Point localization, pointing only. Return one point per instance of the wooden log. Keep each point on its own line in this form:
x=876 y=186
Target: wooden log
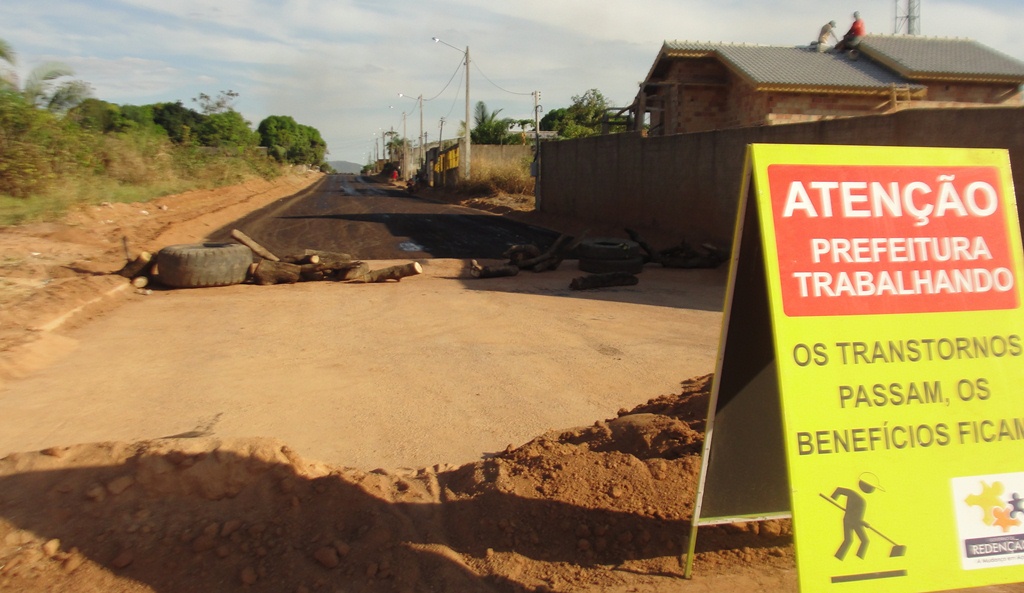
x=137 y=266
x=301 y=260
x=652 y=254
x=550 y=263
x=518 y=253
x=478 y=271
x=390 y=273
x=332 y=260
x=354 y=270
x=591 y=281
x=274 y=272
x=312 y=272
x=258 y=249
x=558 y=250
x=140 y=282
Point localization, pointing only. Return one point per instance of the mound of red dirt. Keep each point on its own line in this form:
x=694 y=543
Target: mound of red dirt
x=603 y=507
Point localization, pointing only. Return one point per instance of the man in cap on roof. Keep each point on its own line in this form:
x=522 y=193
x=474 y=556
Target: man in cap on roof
x=828 y=30
x=853 y=37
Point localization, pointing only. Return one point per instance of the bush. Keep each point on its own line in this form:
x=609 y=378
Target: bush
x=49 y=164
x=490 y=178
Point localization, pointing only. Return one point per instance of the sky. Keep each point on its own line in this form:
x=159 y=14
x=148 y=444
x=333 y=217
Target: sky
x=353 y=69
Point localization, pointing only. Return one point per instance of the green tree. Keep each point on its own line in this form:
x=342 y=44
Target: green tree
x=584 y=117
x=224 y=101
x=8 y=79
x=489 y=128
x=226 y=129
x=396 y=147
x=49 y=86
x=291 y=142
x=179 y=121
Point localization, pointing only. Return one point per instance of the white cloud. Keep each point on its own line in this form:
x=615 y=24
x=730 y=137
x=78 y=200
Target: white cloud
x=339 y=66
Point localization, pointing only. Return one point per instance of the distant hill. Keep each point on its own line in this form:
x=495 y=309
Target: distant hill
x=345 y=166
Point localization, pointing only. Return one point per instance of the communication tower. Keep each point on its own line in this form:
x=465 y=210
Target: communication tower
x=908 y=17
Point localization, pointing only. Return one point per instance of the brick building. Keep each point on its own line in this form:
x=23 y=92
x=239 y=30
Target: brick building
x=695 y=87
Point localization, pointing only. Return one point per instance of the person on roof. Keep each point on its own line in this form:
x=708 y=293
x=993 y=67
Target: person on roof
x=854 y=36
x=828 y=30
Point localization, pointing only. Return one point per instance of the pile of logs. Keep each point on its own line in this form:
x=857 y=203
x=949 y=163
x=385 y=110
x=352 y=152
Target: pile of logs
x=682 y=255
x=527 y=257
x=310 y=265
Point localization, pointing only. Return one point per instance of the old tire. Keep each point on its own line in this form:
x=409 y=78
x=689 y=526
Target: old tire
x=633 y=265
x=608 y=249
x=203 y=264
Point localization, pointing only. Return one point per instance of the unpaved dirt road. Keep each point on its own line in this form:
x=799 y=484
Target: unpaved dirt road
x=438 y=368
x=133 y=460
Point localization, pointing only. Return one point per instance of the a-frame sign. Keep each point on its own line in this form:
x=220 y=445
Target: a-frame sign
x=870 y=378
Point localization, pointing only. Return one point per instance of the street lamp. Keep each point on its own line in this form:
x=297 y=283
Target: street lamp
x=466 y=137
x=420 y=99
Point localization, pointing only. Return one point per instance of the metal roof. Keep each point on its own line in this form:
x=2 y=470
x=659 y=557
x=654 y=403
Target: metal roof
x=898 y=60
x=926 y=57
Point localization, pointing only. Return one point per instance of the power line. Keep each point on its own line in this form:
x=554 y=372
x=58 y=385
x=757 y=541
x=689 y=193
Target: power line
x=452 y=108
x=457 y=69
x=496 y=84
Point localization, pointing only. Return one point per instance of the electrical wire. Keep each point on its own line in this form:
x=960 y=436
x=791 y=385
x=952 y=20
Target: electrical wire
x=457 y=94
x=448 y=84
x=496 y=85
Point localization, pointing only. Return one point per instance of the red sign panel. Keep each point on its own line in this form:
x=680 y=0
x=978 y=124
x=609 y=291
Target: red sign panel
x=859 y=240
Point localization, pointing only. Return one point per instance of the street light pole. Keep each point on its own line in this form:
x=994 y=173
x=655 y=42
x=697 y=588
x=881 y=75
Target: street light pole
x=420 y=101
x=466 y=136
x=467 y=114
x=405 y=151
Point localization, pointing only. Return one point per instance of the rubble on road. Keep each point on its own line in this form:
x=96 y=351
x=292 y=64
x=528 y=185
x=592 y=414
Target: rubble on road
x=682 y=255
x=222 y=264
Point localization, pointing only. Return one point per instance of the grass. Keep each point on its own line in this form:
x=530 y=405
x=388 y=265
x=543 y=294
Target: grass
x=491 y=178
x=130 y=178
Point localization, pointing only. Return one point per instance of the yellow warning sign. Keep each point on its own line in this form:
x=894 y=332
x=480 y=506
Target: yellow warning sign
x=895 y=287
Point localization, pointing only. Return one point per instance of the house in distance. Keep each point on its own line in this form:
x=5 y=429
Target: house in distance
x=696 y=87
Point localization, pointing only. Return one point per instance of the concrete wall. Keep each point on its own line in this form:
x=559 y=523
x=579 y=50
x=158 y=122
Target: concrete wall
x=689 y=184
x=446 y=165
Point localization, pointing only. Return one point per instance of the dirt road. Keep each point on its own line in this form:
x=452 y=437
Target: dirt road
x=226 y=439
x=439 y=368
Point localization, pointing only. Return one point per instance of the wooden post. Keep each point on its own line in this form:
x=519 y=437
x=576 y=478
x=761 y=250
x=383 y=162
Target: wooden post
x=251 y=244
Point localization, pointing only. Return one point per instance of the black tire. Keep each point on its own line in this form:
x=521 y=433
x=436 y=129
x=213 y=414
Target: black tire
x=633 y=265
x=203 y=264
x=608 y=249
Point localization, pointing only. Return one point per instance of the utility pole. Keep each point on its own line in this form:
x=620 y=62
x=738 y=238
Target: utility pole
x=405 y=151
x=535 y=168
x=467 y=115
x=536 y=121
x=467 y=138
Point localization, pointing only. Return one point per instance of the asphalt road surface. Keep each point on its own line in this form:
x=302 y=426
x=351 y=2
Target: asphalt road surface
x=372 y=221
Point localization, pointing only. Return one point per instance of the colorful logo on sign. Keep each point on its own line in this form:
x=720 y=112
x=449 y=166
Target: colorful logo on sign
x=858 y=239
x=990 y=516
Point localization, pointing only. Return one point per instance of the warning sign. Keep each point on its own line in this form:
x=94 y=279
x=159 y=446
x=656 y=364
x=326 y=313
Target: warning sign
x=870 y=240
x=894 y=288
x=894 y=282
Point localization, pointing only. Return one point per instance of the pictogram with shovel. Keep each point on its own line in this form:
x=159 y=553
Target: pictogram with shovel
x=853 y=518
